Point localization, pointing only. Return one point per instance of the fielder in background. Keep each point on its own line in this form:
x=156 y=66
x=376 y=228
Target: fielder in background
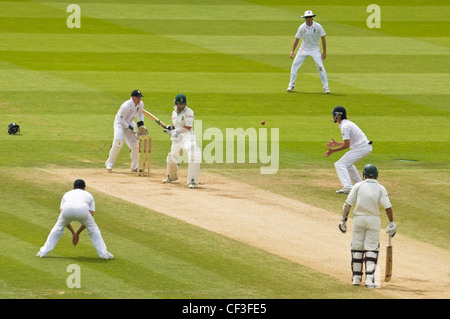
x=368 y=196
x=310 y=31
x=359 y=145
x=183 y=139
x=125 y=129
x=76 y=205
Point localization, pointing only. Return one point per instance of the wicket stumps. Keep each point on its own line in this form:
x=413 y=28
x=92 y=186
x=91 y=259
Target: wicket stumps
x=145 y=149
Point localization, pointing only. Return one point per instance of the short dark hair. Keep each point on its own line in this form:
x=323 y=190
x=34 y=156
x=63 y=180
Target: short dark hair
x=79 y=183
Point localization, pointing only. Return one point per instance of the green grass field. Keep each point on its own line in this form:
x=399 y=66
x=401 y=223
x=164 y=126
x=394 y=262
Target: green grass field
x=231 y=58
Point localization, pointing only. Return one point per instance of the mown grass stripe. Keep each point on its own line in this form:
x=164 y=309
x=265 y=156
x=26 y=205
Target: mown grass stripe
x=148 y=62
x=180 y=11
x=95 y=43
x=229 y=44
x=336 y=45
x=388 y=12
x=397 y=83
x=49 y=275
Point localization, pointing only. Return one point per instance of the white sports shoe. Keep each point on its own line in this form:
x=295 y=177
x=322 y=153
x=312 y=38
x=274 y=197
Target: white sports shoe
x=290 y=88
x=370 y=282
x=192 y=184
x=344 y=191
x=108 y=255
x=169 y=180
x=109 y=167
x=39 y=254
x=356 y=281
x=326 y=91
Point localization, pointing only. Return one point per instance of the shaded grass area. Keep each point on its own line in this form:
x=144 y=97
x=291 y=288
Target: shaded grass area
x=156 y=256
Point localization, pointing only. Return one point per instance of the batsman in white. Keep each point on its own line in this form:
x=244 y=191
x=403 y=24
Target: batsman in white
x=368 y=196
x=358 y=143
x=183 y=139
x=310 y=31
x=76 y=205
x=125 y=129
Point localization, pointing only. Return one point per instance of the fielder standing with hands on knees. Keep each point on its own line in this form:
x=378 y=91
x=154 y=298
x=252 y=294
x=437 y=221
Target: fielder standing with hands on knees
x=368 y=196
x=310 y=31
x=183 y=139
x=76 y=205
x=125 y=129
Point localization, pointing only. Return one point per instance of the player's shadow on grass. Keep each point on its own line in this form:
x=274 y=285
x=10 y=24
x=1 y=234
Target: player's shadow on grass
x=81 y=259
x=316 y=93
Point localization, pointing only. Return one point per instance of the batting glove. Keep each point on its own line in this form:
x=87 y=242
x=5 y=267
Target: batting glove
x=168 y=129
x=343 y=227
x=391 y=229
x=174 y=133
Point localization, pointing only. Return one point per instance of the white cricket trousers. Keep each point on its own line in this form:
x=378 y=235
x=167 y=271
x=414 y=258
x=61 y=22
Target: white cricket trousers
x=345 y=167
x=366 y=233
x=186 y=143
x=79 y=213
x=365 y=245
x=132 y=142
x=300 y=58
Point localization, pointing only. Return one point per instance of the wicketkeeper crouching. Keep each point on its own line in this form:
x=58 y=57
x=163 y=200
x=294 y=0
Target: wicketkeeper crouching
x=125 y=129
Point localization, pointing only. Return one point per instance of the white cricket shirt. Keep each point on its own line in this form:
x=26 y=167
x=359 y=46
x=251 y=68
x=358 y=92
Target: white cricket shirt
x=350 y=131
x=128 y=112
x=80 y=198
x=368 y=196
x=184 y=118
x=310 y=36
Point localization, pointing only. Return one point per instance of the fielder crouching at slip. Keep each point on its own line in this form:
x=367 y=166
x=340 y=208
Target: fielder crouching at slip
x=368 y=196
x=183 y=139
x=76 y=205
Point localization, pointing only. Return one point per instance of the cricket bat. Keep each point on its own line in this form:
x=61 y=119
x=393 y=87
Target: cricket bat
x=388 y=273
x=154 y=118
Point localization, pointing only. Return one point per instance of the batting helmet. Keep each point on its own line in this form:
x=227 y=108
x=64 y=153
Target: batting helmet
x=340 y=110
x=370 y=170
x=13 y=128
x=181 y=98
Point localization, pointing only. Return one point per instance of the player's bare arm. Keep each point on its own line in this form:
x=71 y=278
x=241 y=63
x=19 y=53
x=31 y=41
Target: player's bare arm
x=324 y=48
x=294 y=46
x=342 y=146
x=74 y=235
x=333 y=143
x=82 y=227
x=69 y=227
x=390 y=214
